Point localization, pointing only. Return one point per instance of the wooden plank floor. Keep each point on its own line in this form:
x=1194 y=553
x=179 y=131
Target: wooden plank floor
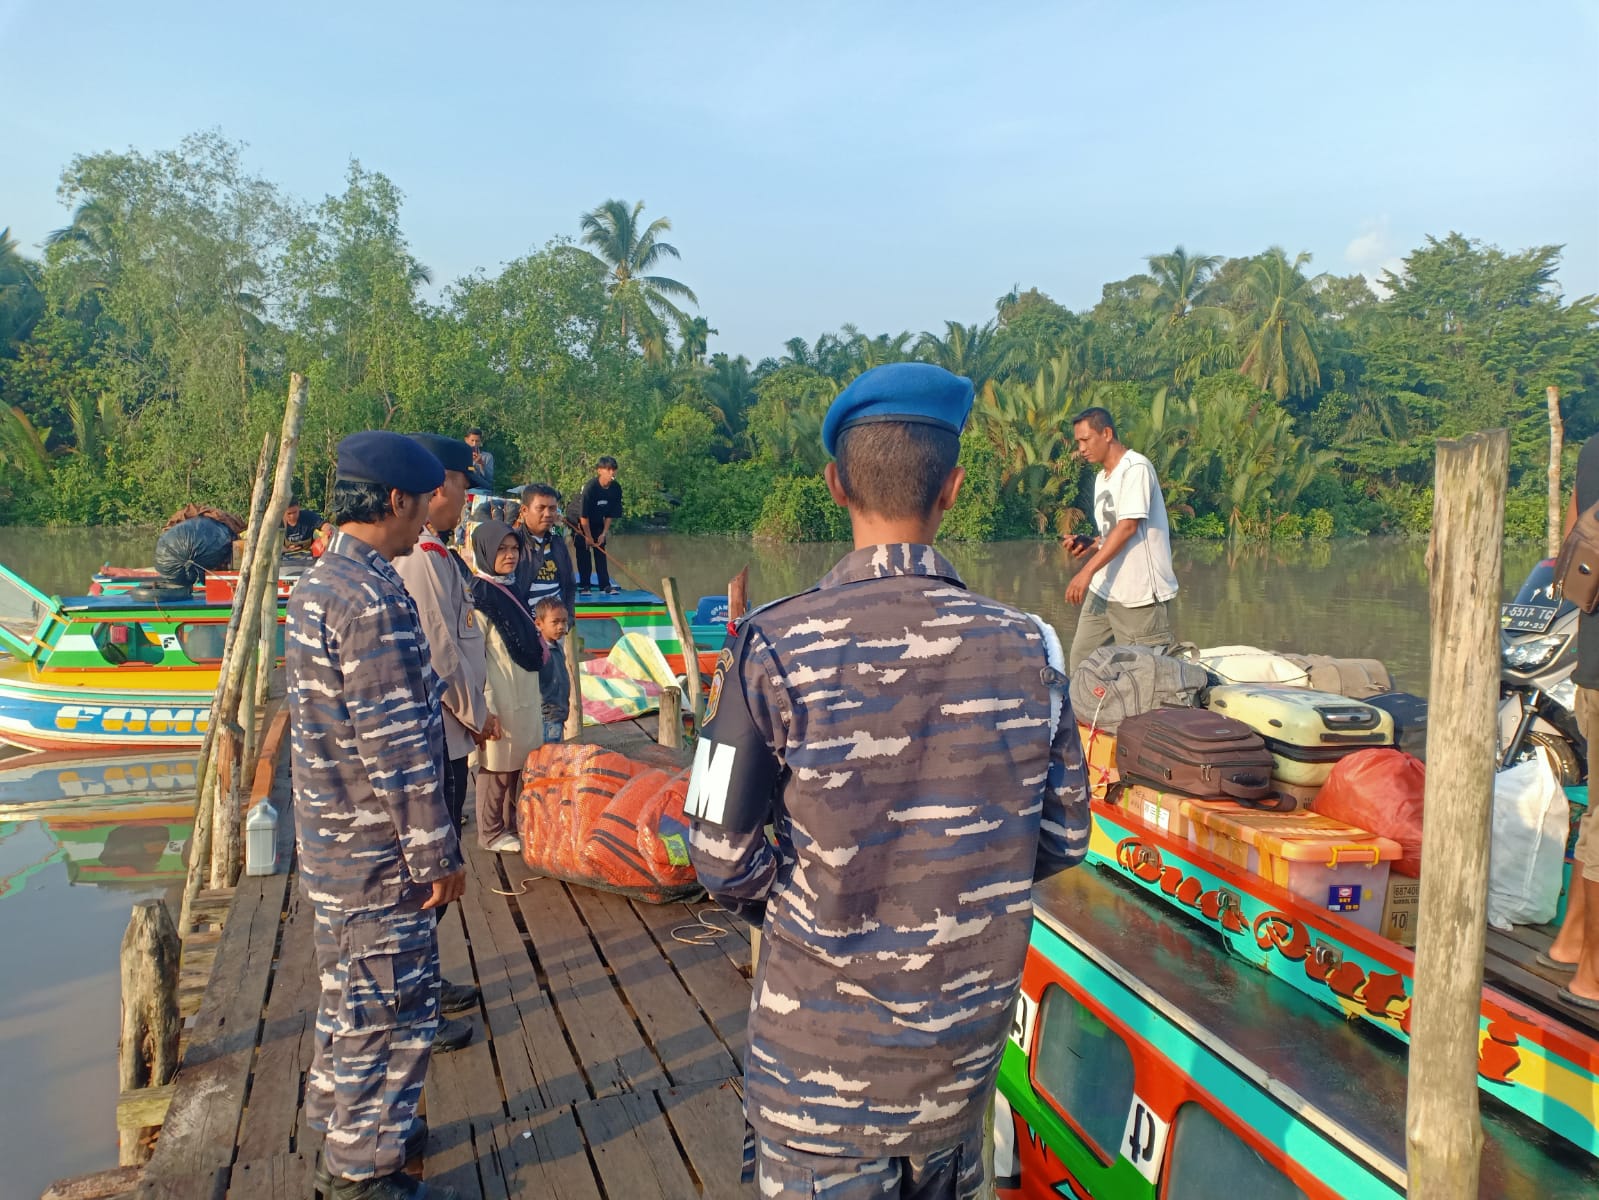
x=605 y=1061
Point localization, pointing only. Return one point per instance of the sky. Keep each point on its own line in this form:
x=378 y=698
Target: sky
x=894 y=165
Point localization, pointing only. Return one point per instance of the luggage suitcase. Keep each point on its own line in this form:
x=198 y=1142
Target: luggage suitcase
x=1356 y=678
x=1306 y=731
x=1251 y=664
x=1198 y=753
x=1410 y=720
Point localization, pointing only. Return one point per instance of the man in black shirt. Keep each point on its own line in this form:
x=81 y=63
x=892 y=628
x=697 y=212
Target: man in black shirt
x=1576 y=949
x=599 y=505
x=300 y=528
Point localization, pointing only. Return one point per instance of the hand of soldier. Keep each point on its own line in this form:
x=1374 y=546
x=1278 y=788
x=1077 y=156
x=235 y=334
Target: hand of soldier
x=452 y=887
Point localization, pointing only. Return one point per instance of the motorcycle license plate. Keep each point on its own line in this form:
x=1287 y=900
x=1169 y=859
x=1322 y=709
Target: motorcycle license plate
x=1527 y=618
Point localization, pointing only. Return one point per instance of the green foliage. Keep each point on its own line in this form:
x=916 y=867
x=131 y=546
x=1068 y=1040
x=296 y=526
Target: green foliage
x=799 y=508
x=144 y=357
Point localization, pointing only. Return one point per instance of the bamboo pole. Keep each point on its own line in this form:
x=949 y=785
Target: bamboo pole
x=669 y=727
x=261 y=612
x=147 y=1056
x=1442 y=1129
x=199 y=868
x=267 y=656
x=691 y=658
x=1557 y=435
x=573 y=732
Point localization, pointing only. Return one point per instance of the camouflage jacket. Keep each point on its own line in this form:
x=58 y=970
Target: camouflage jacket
x=895 y=730
x=367 y=731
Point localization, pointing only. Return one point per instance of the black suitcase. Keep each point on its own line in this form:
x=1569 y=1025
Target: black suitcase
x=1410 y=720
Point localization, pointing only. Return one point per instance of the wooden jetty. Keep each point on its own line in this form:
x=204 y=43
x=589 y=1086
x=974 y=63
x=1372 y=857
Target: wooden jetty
x=606 y=1058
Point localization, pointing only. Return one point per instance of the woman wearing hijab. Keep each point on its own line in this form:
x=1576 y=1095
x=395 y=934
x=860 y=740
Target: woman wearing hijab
x=515 y=655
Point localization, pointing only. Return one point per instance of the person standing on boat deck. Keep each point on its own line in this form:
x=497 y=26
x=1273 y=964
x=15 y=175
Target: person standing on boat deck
x=302 y=527
x=599 y=504
x=1576 y=947
x=1127 y=583
x=481 y=473
x=913 y=747
x=546 y=566
x=377 y=849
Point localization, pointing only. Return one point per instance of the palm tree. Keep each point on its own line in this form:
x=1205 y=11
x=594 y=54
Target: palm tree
x=625 y=253
x=730 y=388
x=694 y=336
x=90 y=250
x=978 y=352
x=21 y=304
x=1278 y=345
x=1176 y=290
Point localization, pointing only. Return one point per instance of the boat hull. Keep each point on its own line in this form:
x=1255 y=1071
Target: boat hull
x=44 y=714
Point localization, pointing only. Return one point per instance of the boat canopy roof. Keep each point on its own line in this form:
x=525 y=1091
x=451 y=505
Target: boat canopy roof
x=1338 y=1075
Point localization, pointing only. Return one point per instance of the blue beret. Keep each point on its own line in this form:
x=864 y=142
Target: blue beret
x=917 y=393
x=392 y=459
x=455 y=454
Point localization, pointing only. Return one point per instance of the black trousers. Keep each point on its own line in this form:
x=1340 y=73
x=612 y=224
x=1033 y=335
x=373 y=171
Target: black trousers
x=455 y=779
x=585 y=555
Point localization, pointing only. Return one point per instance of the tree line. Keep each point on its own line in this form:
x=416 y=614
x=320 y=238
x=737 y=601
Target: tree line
x=145 y=352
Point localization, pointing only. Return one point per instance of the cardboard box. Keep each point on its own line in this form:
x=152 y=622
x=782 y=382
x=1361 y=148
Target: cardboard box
x=1399 y=911
x=1099 y=757
x=1162 y=810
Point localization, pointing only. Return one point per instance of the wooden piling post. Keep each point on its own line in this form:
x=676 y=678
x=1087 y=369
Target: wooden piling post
x=147 y=1056
x=573 y=732
x=1442 y=1129
x=738 y=594
x=669 y=731
x=691 y=658
x=1557 y=436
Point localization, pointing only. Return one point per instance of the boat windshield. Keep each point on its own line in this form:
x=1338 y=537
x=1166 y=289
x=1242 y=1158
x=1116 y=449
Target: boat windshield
x=23 y=609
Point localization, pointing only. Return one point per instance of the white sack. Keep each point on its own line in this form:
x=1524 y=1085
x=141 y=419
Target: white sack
x=1527 y=845
x=1251 y=664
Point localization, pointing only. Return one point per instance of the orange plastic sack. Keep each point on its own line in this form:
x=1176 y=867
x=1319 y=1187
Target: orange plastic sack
x=595 y=817
x=1379 y=791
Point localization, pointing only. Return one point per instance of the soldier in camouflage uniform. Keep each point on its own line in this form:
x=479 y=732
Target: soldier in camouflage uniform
x=911 y=745
x=376 y=846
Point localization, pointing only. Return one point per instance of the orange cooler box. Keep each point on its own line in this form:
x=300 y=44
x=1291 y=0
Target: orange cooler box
x=1099 y=757
x=1326 y=863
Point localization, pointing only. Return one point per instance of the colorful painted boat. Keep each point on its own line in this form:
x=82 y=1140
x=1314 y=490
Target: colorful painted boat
x=1146 y=1061
x=109 y=671
x=1542 y=1065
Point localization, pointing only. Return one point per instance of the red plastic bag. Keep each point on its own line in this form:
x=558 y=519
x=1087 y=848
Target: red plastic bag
x=1379 y=791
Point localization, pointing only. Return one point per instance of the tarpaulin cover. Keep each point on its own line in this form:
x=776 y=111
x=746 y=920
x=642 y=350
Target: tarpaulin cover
x=184 y=553
x=1379 y=791
x=591 y=816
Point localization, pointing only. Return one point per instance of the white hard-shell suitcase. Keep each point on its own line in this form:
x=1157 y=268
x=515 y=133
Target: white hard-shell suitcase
x=1251 y=664
x=1307 y=732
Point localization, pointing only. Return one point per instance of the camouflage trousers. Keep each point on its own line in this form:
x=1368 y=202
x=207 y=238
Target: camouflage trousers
x=783 y=1173
x=374 y=1032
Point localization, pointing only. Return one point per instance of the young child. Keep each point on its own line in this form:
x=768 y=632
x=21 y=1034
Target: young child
x=555 y=683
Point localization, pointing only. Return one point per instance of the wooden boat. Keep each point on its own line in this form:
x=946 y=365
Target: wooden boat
x=1145 y=1060
x=1543 y=1065
x=111 y=671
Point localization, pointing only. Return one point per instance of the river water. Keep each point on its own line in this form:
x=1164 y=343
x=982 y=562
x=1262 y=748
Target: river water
x=69 y=875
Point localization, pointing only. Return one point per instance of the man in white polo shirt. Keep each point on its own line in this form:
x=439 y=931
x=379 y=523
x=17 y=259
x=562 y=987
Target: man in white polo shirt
x=1127 y=579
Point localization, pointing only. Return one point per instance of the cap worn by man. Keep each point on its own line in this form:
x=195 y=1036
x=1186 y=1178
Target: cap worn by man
x=453 y=453
x=917 y=393
x=390 y=459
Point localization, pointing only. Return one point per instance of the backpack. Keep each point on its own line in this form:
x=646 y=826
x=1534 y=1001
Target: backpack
x=1117 y=682
x=1577 y=568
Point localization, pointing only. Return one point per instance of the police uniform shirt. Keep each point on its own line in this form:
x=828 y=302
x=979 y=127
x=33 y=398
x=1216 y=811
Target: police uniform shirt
x=916 y=756
x=367 y=734
x=459 y=655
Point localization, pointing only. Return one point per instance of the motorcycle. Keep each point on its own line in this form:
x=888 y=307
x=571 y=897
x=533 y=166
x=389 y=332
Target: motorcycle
x=1537 y=698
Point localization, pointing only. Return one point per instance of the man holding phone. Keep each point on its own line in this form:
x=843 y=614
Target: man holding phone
x=1125 y=582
